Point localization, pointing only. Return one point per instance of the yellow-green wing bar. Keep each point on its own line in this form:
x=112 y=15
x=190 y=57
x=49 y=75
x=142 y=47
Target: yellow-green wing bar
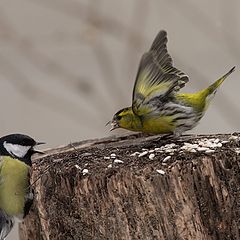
x=156 y=77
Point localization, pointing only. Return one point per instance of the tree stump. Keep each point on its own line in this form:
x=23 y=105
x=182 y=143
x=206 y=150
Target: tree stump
x=137 y=187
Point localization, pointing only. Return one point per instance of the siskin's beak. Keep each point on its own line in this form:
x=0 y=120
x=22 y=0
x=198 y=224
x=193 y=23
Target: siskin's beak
x=108 y=123
x=113 y=123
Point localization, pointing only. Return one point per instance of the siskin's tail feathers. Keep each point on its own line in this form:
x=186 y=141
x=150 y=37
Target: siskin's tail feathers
x=200 y=100
x=212 y=88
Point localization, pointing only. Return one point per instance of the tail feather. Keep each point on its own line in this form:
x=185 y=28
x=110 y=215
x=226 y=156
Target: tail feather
x=200 y=100
x=212 y=88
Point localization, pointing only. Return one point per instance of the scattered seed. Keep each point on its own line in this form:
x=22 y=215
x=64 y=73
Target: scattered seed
x=166 y=158
x=135 y=154
x=85 y=171
x=210 y=151
x=195 y=145
x=118 y=161
x=193 y=150
x=143 y=154
x=86 y=154
x=219 y=145
x=57 y=160
x=202 y=149
x=151 y=156
x=160 y=172
x=77 y=166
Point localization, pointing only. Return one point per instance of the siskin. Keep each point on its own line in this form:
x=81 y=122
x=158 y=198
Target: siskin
x=157 y=106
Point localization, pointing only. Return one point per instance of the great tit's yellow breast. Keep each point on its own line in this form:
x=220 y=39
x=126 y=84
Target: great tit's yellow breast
x=14 y=183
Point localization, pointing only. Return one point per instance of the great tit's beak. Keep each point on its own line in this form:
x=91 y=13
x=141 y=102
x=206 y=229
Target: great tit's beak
x=38 y=151
x=114 y=124
x=40 y=143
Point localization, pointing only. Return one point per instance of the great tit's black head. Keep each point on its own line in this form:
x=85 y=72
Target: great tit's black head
x=18 y=146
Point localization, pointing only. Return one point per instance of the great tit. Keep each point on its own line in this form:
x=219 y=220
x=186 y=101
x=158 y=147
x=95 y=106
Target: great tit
x=16 y=194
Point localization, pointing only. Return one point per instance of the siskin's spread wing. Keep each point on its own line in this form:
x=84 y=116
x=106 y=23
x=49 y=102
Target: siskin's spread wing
x=156 y=78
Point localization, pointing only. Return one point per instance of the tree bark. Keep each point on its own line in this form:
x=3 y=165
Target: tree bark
x=163 y=193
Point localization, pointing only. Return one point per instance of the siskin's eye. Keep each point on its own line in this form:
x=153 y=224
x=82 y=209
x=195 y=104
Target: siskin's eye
x=118 y=117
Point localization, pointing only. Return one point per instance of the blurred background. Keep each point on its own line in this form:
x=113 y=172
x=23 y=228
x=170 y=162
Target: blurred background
x=66 y=66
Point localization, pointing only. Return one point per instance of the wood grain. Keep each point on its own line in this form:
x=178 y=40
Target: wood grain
x=198 y=196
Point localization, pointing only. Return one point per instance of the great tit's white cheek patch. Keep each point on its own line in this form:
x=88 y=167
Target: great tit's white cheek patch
x=16 y=149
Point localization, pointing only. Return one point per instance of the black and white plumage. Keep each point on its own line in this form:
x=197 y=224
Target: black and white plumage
x=6 y=224
x=16 y=194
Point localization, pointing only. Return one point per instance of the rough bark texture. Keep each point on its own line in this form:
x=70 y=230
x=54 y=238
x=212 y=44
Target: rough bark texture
x=196 y=195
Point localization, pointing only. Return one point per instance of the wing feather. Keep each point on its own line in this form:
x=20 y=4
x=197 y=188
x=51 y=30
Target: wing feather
x=156 y=77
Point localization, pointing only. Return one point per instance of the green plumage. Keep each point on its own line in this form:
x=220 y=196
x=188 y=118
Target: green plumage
x=14 y=185
x=157 y=107
x=200 y=100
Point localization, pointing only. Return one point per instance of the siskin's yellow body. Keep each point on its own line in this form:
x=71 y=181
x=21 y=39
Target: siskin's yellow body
x=158 y=122
x=157 y=106
x=148 y=123
x=14 y=184
x=158 y=125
